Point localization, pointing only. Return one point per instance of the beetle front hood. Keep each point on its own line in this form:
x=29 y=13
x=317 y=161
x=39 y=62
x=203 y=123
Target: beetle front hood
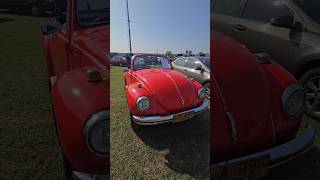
x=245 y=92
x=171 y=90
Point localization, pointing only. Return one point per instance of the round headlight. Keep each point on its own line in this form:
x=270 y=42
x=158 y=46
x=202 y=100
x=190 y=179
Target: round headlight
x=97 y=134
x=202 y=93
x=143 y=103
x=293 y=100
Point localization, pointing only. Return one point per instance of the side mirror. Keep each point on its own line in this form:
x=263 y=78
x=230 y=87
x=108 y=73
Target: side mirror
x=50 y=27
x=199 y=68
x=283 y=21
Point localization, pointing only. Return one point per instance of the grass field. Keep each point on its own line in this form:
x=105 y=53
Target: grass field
x=28 y=142
x=179 y=151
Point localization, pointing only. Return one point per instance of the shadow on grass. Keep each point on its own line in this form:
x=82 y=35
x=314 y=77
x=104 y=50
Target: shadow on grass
x=187 y=142
x=3 y=20
x=304 y=167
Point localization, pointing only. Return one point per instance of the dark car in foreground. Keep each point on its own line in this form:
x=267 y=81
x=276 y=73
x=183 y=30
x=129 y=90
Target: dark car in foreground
x=197 y=68
x=287 y=30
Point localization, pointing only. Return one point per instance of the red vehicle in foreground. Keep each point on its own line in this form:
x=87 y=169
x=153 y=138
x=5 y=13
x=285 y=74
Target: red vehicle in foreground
x=158 y=94
x=257 y=111
x=78 y=69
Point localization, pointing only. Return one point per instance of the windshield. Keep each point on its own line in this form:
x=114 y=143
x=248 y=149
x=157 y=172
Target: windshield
x=205 y=61
x=310 y=7
x=93 y=12
x=151 y=62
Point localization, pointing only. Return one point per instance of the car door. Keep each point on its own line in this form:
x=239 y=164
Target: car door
x=179 y=65
x=191 y=71
x=259 y=35
x=60 y=40
x=226 y=14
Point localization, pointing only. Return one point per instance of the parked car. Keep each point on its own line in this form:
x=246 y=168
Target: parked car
x=197 y=68
x=118 y=61
x=33 y=7
x=288 y=30
x=158 y=94
x=258 y=110
x=78 y=75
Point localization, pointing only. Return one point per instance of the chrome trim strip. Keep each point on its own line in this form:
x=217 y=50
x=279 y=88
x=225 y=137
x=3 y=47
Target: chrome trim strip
x=153 y=120
x=284 y=152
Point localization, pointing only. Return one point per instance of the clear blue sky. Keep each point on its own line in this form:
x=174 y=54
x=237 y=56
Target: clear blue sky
x=175 y=25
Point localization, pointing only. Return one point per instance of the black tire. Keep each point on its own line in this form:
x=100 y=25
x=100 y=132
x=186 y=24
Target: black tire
x=134 y=125
x=310 y=80
x=66 y=166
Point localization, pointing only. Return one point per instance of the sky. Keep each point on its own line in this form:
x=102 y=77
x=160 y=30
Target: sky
x=161 y=25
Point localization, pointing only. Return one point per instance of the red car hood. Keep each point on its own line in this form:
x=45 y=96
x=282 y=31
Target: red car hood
x=95 y=41
x=172 y=90
x=244 y=91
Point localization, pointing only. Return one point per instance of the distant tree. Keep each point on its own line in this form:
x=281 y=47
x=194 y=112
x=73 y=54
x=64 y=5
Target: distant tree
x=202 y=54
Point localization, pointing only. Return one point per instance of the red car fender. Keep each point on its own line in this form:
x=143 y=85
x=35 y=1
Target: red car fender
x=47 y=54
x=279 y=79
x=75 y=100
x=133 y=93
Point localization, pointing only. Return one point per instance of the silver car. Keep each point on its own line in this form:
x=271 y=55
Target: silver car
x=197 y=68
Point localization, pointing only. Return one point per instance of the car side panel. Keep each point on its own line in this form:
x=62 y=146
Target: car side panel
x=75 y=100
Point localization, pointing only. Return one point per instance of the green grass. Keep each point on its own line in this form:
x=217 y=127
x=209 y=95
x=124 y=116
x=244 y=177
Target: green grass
x=28 y=142
x=179 y=151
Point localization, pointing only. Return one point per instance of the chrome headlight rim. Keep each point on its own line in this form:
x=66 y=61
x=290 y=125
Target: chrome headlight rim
x=202 y=93
x=288 y=92
x=140 y=99
x=94 y=120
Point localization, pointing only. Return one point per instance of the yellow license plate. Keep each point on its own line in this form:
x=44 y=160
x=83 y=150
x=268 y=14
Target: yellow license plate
x=182 y=117
x=249 y=169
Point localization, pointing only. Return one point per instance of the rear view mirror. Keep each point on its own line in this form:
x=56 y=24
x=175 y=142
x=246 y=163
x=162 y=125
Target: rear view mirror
x=50 y=27
x=283 y=21
x=199 y=68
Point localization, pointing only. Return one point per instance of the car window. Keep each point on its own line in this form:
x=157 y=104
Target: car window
x=93 y=12
x=151 y=62
x=310 y=7
x=264 y=10
x=180 y=62
x=228 y=7
x=205 y=61
x=61 y=11
x=191 y=63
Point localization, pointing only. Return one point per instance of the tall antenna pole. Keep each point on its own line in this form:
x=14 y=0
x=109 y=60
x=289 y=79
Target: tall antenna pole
x=129 y=30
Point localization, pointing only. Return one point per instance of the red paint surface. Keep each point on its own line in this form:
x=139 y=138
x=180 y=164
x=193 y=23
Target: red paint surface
x=68 y=55
x=252 y=93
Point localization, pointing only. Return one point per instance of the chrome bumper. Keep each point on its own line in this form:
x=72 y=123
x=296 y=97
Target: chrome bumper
x=85 y=176
x=282 y=153
x=153 y=120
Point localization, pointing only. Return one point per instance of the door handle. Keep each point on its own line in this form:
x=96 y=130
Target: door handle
x=240 y=27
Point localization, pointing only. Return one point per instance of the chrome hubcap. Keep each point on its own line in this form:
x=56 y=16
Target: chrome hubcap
x=312 y=88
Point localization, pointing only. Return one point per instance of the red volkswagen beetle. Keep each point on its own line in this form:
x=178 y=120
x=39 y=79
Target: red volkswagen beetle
x=257 y=111
x=76 y=44
x=158 y=94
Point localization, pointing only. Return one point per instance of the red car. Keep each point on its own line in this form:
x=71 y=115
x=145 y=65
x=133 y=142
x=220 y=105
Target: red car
x=158 y=94
x=257 y=111
x=78 y=72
